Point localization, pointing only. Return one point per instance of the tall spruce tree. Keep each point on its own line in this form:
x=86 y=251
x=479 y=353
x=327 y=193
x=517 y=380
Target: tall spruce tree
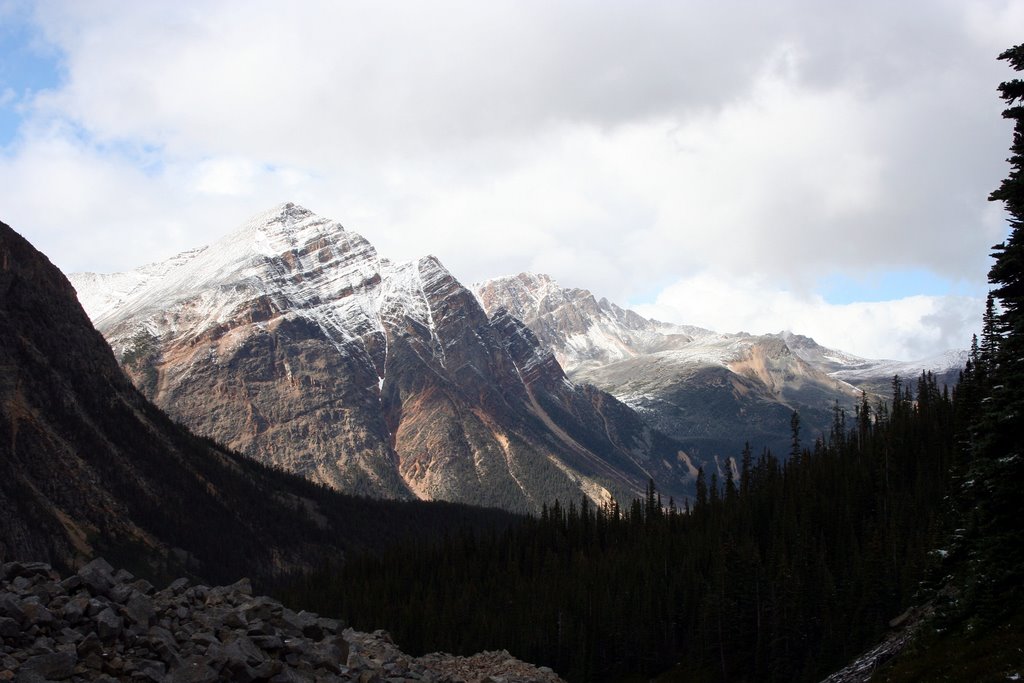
x=997 y=466
x=1007 y=272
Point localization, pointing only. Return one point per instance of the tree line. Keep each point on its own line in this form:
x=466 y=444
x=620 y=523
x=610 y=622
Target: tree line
x=781 y=571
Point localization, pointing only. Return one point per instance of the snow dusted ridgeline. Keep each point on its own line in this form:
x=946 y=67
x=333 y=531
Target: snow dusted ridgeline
x=875 y=375
x=581 y=330
x=297 y=260
x=291 y=340
x=711 y=391
x=587 y=333
x=232 y=337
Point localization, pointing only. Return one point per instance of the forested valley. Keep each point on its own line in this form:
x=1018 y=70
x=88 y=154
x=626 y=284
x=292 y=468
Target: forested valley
x=781 y=573
x=784 y=572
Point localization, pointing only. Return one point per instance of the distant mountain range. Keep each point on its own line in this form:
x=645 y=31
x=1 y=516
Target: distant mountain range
x=294 y=342
x=714 y=392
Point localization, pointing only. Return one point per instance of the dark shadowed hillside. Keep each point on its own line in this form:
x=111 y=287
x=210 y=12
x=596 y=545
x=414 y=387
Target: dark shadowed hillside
x=88 y=466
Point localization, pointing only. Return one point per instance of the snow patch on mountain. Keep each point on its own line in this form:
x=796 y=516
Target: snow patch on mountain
x=948 y=361
x=303 y=264
x=587 y=334
x=293 y=341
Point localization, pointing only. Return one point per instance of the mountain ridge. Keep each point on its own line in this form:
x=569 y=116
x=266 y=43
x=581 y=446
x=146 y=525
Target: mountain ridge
x=293 y=341
x=710 y=390
x=88 y=466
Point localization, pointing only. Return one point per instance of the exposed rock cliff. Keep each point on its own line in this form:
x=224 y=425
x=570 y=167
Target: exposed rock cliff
x=292 y=341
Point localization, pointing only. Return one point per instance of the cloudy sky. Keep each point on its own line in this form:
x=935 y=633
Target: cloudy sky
x=756 y=166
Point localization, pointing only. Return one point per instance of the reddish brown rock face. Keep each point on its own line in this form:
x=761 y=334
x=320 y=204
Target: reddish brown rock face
x=87 y=465
x=292 y=341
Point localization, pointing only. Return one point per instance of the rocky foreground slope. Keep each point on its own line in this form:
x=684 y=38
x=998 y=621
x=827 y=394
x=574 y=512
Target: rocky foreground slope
x=291 y=340
x=104 y=625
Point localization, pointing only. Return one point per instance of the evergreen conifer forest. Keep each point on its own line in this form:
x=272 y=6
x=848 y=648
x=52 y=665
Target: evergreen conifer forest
x=785 y=572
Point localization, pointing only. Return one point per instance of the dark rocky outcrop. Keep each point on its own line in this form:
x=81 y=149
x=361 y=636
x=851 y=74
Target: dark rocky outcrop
x=104 y=625
x=87 y=464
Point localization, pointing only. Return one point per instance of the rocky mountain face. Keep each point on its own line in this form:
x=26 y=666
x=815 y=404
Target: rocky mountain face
x=98 y=624
x=582 y=331
x=85 y=462
x=713 y=392
x=294 y=342
x=873 y=375
x=89 y=466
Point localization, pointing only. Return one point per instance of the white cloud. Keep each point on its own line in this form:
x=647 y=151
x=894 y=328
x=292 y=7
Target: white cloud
x=226 y=176
x=903 y=329
x=619 y=146
x=995 y=23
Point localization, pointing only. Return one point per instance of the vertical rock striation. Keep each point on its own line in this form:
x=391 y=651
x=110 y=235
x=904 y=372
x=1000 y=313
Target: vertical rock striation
x=294 y=342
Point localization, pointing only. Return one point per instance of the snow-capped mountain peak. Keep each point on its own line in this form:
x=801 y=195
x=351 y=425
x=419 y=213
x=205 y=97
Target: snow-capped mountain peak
x=712 y=390
x=292 y=340
x=291 y=256
x=580 y=329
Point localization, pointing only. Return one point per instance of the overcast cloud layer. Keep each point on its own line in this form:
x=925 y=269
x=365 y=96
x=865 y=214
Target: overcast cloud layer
x=711 y=163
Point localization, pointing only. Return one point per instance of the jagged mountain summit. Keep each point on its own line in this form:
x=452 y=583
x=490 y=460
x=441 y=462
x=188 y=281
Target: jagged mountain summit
x=582 y=331
x=294 y=342
x=88 y=466
x=712 y=391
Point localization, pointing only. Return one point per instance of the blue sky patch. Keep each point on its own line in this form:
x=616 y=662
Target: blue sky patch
x=27 y=65
x=893 y=284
